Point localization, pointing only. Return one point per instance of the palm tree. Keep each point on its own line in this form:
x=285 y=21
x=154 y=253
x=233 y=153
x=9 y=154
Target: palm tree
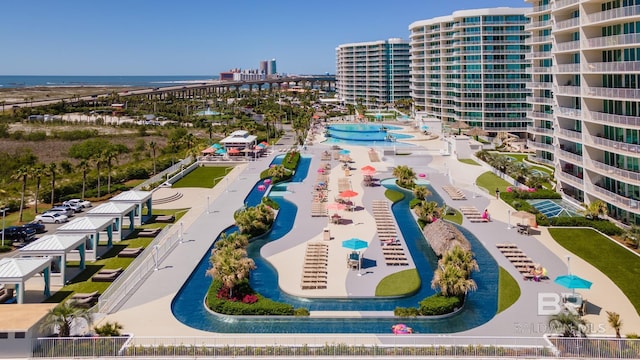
x=595 y=209
x=428 y=211
x=231 y=265
x=21 y=174
x=405 y=176
x=421 y=192
x=63 y=316
x=52 y=169
x=460 y=258
x=613 y=318
x=452 y=281
x=568 y=324
x=37 y=172
x=83 y=166
x=152 y=147
x=99 y=159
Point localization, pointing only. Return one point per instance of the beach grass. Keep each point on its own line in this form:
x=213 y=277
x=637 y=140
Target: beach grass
x=616 y=262
x=405 y=282
x=203 y=177
x=508 y=290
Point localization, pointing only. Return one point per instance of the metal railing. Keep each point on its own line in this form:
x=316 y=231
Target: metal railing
x=141 y=267
x=161 y=176
x=337 y=345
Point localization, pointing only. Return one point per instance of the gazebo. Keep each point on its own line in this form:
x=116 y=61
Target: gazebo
x=140 y=199
x=16 y=271
x=239 y=139
x=93 y=227
x=117 y=210
x=56 y=247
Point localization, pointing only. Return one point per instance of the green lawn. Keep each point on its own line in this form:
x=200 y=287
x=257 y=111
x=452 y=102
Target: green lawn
x=455 y=218
x=469 y=161
x=405 y=282
x=203 y=176
x=508 y=290
x=616 y=262
x=393 y=196
x=490 y=182
x=110 y=260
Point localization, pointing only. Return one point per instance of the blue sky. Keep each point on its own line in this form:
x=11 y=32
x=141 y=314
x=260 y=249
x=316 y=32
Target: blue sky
x=200 y=37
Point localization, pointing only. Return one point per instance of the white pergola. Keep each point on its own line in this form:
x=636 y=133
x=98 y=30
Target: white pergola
x=93 y=227
x=57 y=246
x=140 y=199
x=16 y=271
x=239 y=139
x=117 y=210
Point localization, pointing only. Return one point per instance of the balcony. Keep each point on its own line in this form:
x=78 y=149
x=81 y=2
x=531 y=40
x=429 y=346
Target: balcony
x=541 y=70
x=540 y=100
x=608 y=67
x=566 y=24
x=573 y=180
x=568 y=156
x=539 y=131
x=567 y=90
x=540 y=8
x=568 y=112
x=540 y=160
x=567 y=68
x=537 y=24
x=610 y=93
x=536 y=55
x=538 y=40
x=570 y=134
x=613 y=198
x=613 y=146
x=613 y=14
x=610 y=119
x=608 y=170
x=539 y=115
x=610 y=41
x=539 y=85
x=540 y=146
x=567 y=46
x=559 y=4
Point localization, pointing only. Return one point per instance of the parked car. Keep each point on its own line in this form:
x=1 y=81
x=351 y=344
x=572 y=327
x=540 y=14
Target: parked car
x=74 y=208
x=62 y=210
x=78 y=202
x=40 y=228
x=18 y=233
x=51 y=218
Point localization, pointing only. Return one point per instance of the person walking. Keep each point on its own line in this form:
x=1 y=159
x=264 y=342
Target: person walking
x=497 y=193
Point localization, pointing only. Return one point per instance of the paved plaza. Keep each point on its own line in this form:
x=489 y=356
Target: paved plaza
x=147 y=312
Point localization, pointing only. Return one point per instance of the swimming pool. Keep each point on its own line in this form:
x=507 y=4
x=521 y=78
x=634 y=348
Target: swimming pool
x=365 y=135
x=481 y=305
x=555 y=208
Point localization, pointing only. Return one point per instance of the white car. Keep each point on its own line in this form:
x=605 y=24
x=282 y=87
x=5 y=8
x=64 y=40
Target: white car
x=62 y=210
x=78 y=202
x=51 y=218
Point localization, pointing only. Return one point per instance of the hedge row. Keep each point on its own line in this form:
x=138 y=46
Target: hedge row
x=604 y=226
x=436 y=304
x=263 y=306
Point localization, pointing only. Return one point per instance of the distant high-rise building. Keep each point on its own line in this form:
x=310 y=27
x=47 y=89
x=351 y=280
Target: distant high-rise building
x=374 y=73
x=271 y=69
x=473 y=66
x=264 y=67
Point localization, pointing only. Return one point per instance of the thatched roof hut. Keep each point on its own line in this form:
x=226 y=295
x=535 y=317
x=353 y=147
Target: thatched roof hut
x=442 y=237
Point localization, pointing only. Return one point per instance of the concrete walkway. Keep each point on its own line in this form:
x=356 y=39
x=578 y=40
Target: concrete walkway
x=148 y=311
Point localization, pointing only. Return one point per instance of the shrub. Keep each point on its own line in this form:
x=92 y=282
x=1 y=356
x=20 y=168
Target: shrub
x=108 y=329
x=291 y=160
x=5 y=248
x=262 y=306
x=439 y=305
x=603 y=226
x=406 y=312
x=301 y=312
x=135 y=173
x=414 y=202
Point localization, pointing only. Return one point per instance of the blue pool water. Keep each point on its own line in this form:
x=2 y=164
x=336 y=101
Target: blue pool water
x=365 y=135
x=481 y=306
x=554 y=208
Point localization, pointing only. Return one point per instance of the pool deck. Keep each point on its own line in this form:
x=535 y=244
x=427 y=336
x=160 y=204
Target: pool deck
x=148 y=310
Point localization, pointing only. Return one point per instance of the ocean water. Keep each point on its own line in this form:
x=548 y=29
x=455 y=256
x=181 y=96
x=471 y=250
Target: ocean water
x=20 y=81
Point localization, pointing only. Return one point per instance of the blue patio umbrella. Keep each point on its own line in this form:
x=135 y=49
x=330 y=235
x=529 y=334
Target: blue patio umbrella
x=573 y=282
x=344 y=152
x=221 y=151
x=355 y=244
x=216 y=146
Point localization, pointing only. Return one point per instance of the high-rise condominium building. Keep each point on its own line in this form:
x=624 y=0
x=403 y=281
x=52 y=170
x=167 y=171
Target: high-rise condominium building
x=473 y=66
x=373 y=73
x=590 y=128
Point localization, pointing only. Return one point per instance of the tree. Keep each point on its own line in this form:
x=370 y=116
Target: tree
x=37 y=172
x=99 y=159
x=63 y=316
x=152 y=147
x=109 y=155
x=452 y=281
x=52 y=169
x=569 y=325
x=421 y=192
x=460 y=258
x=404 y=175
x=21 y=174
x=595 y=209
x=83 y=166
x=231 y=265
x=613 y=318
